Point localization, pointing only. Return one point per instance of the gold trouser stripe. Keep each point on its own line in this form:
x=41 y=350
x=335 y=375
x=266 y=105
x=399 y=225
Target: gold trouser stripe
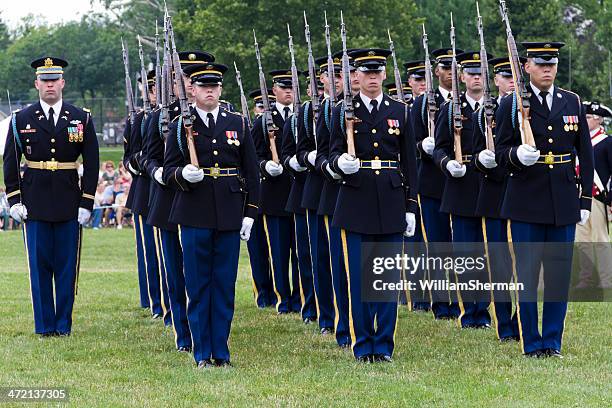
x=161 y=247
x=144 y=256
x=348 y=280
x=331 y=270
x=459 y=298
x=424 y=232
x=159 y=269
x=314 y=290
x=515 y=274
x=486 y=248
x=403 y=274
x=78 y=260
x=27 y=251
x=297 y=252
x=278 y=296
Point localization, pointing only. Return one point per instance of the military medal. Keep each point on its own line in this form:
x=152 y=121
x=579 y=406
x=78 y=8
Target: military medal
x=393 y=126
x=566 y=127
x=232 y=137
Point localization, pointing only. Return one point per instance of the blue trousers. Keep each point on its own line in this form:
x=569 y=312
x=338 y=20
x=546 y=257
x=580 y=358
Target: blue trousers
x=53 y=252
x=278 y=233
x=495 y=231
x=417 y=299
x=309 y=307
x=165 y=301
x=172 y=259
x=339 y=283
x=210 y=260
x=372 y=324
x=143 y=289
x=469 y=229
x=149 y=250
x=296 y=291
x=437 y=229
x=319 y=252
x=557 y=273
x=261 y=272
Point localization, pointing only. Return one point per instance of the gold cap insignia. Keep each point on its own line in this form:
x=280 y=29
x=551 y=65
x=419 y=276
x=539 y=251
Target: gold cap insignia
x=336 y=60
x=191 y=57
x=547 y=45
x=476 y=56
x=48 y=62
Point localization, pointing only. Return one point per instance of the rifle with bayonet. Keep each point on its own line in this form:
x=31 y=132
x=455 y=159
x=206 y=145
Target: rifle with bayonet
x=164 y=103
x=295 y=84
x=158 y=69
x=520 y=82
x=349 y=109
x=430 y=95
x=183 y=102
x=487 y=104
x=268 y=122
x=456 y=99
x=128 y=83
x=243 y=101
x=396 y=72
x=312 y=73
x=330 y=67
x=146 y=104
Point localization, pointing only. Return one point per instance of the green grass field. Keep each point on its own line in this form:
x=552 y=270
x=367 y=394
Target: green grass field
x=118 y=356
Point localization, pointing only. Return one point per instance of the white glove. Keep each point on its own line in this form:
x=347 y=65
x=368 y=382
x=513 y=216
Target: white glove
x=487 y=158
x=19 y=212
x=348 y=164
x=332 y=173
x=295 y=165
x=245 y=231
x=83 y=216
x=456 y=169
x=428 y=145
x=312 y=156
x=192 y=174
x=158 y=176
x=584 y=217
x=274 y=169
x=527 y=154
x=132 y=169
x=410 y=224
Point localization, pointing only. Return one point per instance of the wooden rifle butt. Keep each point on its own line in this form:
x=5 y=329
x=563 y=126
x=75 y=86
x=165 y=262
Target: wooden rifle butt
x=193 y=156
x=457 y=146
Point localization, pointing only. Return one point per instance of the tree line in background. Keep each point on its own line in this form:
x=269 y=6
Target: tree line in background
x=92 y=45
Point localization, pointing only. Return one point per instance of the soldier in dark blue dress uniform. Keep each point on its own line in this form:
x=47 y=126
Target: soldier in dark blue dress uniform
x=377 y=202
x=261 y=272
x=315 y=193
x=416 y=78
x=160 y=204
x=50 y=200
x=542 y=200
x=275 y=187
x=462 y=181
x=293 y=127
x=491 y=193
x=214 y=207
x=138 y=202
x=435 y=224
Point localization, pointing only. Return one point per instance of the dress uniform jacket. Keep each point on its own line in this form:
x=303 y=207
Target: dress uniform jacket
x=331 y=187
x=388 y=136
x=306 y=144
x=492 y=181
x=293 y=127
x=431 y=180
x=138 y=160
x=274 y=190
x=215 y=202
x=52 y=196
x=546 y=193
x=460 y=193
x=602 y=153
x=160 y=197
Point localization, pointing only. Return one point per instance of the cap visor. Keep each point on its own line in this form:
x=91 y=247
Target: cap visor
x=49 y=77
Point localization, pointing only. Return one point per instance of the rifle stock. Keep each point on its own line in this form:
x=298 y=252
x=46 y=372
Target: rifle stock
x=456 y=103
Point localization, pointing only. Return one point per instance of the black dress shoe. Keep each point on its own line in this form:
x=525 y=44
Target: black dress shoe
x=509 y=339
x=553 y=353
x=222 y=363
x=383 y=358
x=156 y=316
x=48 y=334
x=62 y=334
x=344 y=346
x=282 y=312
x=327 y=330
x=535 y=354
x=483 y=326
x=184 y=349
x=205 y=364
x=308 y=320
x=366 y=359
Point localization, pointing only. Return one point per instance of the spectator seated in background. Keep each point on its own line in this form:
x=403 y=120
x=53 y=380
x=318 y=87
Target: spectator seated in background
x=109 y=175
x=6 y=222
x=121 y=213
x=124 y=174
x=98 y=211
x=108 y=199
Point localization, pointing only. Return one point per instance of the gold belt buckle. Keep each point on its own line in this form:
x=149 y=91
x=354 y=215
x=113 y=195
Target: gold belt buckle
x=215 y=172
x=376 y=164
x=549 y=158
x=52 y=165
